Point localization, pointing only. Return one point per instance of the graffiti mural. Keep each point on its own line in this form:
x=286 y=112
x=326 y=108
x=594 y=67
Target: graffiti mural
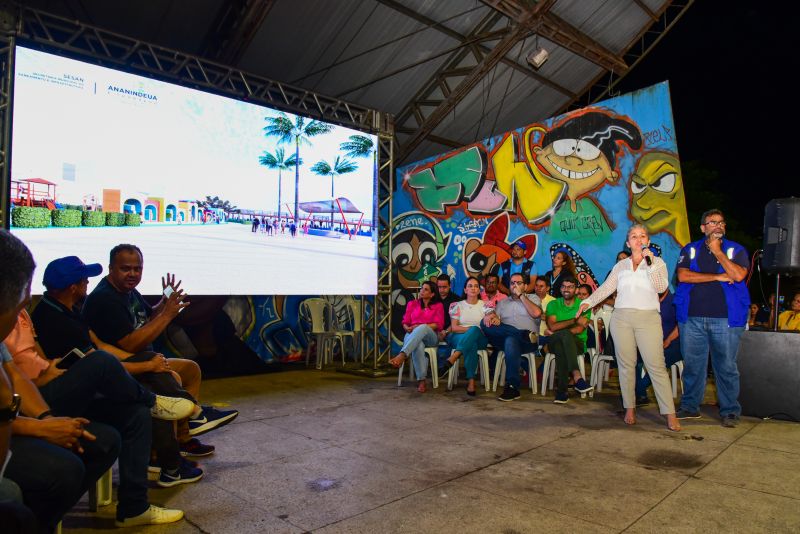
x=239 y=335
x=573 y=183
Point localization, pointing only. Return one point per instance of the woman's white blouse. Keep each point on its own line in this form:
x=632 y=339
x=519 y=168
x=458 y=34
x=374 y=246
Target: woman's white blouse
x=637 y=289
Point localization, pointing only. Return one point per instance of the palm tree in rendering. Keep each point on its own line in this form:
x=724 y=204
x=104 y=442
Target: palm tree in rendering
x=279 y=161
x=298 y=131
x=361 y=146
x=340 y=166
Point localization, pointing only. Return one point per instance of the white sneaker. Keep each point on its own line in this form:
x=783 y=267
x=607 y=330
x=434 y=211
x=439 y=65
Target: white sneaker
x=155 y=515
x=172 y=408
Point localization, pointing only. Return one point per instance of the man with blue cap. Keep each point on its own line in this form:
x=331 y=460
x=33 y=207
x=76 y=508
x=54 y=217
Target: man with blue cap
x=99 y=388
x=517 y=264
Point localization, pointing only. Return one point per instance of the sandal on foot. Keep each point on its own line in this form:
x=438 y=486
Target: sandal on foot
x=422 y=387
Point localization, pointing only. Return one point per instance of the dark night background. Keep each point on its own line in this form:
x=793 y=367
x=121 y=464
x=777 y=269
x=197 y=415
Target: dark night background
x=731 y=68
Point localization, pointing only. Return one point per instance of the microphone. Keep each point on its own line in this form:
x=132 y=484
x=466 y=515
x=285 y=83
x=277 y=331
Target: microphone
x=647 y=258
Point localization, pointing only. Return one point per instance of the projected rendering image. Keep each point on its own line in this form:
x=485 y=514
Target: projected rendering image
x=233 y=197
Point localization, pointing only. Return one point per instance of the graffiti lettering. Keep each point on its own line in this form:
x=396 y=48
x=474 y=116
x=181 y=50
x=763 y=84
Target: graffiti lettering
x=472 y=226
x=523 y=184
x=449 y=182
x=659 y=135
x=583 y=223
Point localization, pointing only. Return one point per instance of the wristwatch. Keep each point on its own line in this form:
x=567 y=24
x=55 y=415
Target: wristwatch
x=10 y=412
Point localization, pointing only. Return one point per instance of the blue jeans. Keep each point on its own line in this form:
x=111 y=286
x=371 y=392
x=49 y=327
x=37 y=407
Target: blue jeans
x=98 y=388
x=698 y=335
x=52 y=478
x=672 y=354
x=414 y=344
x=513 y=342
x=468 y=343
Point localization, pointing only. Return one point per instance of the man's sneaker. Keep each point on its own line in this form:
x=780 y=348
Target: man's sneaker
x=562 y=398
x=509 y=394
x=730 y=421
x=194 y=447
x=154 y=470
x=171 y=408
x=184 y=475
x=582 y=387
x=209 y=419
x=155 y=515
x=685 y=414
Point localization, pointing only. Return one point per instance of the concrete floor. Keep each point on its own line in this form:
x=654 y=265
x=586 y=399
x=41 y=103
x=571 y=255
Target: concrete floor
x=329 y=452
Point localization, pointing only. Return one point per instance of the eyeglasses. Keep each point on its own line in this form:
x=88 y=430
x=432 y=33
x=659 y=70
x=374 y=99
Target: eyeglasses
x=567 y=286
x=513 y=283
x=716 y=223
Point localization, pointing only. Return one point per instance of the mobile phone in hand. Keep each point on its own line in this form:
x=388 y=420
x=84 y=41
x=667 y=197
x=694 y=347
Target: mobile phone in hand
x=168 y=291
x=70 y=359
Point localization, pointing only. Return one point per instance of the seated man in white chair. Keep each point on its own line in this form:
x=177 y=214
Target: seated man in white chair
x=509 y=329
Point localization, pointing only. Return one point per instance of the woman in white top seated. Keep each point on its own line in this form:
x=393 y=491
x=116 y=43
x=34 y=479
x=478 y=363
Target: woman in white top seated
x=636 y=322
x=465 y=335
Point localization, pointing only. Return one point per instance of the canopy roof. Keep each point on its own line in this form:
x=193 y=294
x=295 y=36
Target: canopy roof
x=327 y=206
x=451 y=72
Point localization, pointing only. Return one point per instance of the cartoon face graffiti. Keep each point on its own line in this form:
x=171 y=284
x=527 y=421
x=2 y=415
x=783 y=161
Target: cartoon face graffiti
x=484 y=256
x=418 y=249
x=581 y=151
x=481 y=259
x=658 y=201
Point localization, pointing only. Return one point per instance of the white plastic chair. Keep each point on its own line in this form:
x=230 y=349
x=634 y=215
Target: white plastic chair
x=601 y=363
x=483 y=367
x=337 y=333
x=430 y=352
x=99 y=495
x=677 y=376
x=549 y=372
x=500 y=366
x=318 y=312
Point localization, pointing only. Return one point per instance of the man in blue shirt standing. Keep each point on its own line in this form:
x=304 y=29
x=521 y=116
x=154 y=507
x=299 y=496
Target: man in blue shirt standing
x=712 y=304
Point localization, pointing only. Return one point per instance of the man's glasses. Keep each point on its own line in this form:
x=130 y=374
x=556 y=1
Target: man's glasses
x=513 y=283
x=716 y=223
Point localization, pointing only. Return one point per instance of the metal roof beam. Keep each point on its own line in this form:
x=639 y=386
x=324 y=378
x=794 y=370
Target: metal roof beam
x=234 y=28
x=517 y=33
x=560 y=32
x=400 y=8
x=603 y=85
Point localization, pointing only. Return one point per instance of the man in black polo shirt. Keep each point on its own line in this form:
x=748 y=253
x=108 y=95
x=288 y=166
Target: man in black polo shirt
x=118 y=314
x=60 y=328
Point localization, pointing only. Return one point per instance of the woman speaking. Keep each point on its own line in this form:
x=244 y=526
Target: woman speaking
x=636 y=322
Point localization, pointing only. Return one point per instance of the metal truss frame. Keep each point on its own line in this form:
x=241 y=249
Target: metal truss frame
x=38 y=29
x=602 y=87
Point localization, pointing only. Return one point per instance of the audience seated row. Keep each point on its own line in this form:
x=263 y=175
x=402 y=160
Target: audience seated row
x=118 y=400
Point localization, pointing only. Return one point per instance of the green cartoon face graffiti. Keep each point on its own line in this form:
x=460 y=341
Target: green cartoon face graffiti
x=418 y=249
x=658 y=200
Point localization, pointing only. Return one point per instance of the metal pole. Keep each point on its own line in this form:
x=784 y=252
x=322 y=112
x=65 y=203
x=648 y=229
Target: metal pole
x=777 y=297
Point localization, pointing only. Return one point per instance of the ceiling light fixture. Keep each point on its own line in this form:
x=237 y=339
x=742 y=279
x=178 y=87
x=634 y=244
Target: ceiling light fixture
x=539 y=55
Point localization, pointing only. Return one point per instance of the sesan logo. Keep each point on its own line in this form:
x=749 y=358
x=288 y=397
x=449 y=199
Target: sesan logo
x=131 y=92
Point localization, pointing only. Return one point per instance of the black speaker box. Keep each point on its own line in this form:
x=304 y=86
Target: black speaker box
x=769 y=374
x=782 y=236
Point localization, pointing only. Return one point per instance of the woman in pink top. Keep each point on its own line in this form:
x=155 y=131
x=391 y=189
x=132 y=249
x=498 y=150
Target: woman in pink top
x=423 y=318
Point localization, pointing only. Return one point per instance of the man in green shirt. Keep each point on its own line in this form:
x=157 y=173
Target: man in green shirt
x=568 y=338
